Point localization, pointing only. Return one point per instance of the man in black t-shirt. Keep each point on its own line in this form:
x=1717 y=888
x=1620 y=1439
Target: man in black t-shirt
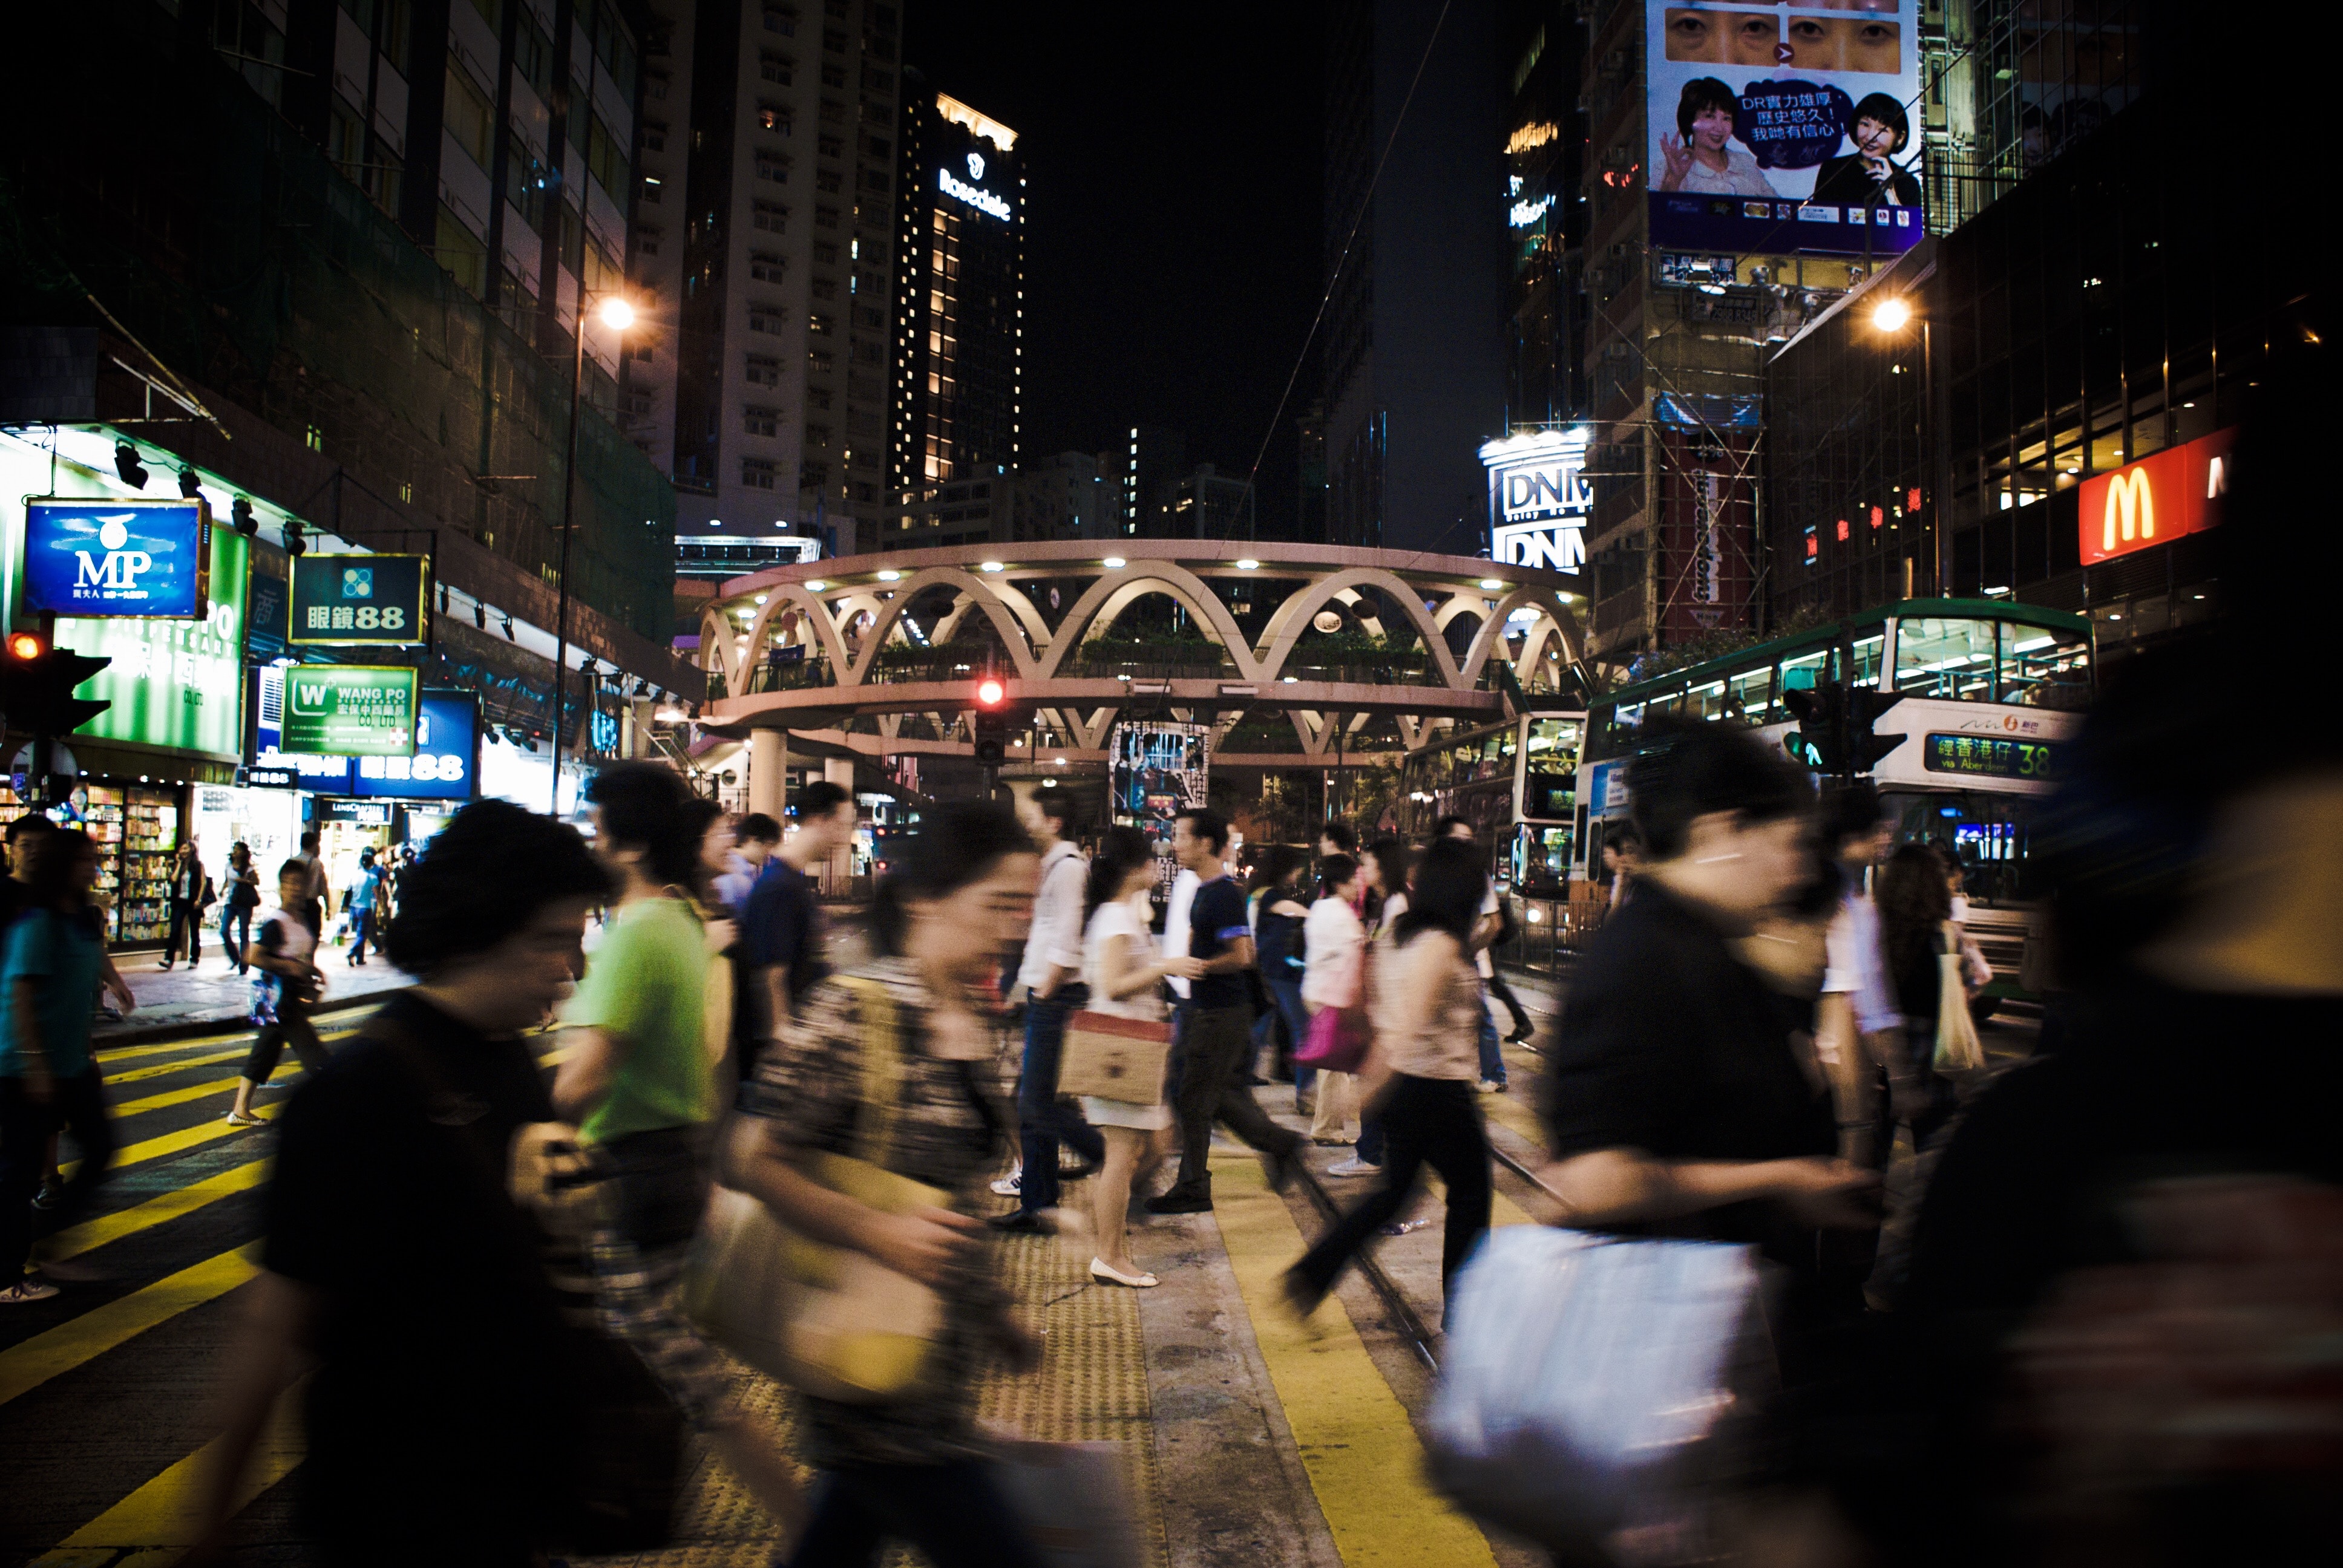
x=1215 y=1026
x=781 y=943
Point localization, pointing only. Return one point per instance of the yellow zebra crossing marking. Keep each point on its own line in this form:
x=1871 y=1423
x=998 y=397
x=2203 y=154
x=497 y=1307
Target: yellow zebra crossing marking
x=55 y=1352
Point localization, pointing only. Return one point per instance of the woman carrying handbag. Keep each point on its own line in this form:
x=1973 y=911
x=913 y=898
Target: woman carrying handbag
x=1332 y=984
x=906 y=1462
x=1123 y=984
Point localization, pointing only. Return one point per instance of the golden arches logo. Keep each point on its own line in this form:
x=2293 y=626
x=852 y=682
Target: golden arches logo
x=2130 y=511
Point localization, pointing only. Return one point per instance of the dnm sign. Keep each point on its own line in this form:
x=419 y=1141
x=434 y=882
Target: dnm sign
x=2158 y=499
x=1539 y=499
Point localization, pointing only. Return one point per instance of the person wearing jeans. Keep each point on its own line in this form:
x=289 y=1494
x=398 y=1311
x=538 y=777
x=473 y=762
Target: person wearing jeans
x=1049 y=973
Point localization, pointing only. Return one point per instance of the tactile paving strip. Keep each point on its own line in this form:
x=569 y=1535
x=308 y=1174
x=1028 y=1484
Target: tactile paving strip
x=1092 y=1387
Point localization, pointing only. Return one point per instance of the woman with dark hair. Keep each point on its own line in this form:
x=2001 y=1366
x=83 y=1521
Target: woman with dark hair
x=443 y=1417
x=1701 y=158
x=49 y=1078
x=1915 y=930
x=1124 y=983
x=914 y=1467
x=1421 y=1072
x=1334 y=976
x=243 y=897
x=1675 y=1098
x=1868 y=176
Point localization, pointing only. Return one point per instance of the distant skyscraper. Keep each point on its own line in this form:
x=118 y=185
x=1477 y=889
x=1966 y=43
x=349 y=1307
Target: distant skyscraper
x=1415 y=331
x=1153 y=458
x=959 y=295
x=766 y=226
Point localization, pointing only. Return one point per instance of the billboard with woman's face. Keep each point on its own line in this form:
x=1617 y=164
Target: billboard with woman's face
x=1777 y=129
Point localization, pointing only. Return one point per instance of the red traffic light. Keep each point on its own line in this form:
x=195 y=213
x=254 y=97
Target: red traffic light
x=25 y=645
x=989 y=692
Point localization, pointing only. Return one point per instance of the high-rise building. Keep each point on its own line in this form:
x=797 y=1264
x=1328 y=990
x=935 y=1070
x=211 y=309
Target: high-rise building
x=1310 y=507
x=1203 y=505
x=1415 y=345
x=770 y=237
x=1545 y=213
x=1154 y=457
x=959 y=289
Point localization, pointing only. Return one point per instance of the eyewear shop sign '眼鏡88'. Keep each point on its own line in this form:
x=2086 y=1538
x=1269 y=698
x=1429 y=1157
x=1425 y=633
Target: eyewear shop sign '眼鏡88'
x=377 y=601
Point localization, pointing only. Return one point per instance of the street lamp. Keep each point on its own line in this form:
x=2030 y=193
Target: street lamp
x=617 y=314
x=1891 y=316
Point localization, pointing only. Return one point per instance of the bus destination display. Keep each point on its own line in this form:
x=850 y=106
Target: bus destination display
x=1989 y=757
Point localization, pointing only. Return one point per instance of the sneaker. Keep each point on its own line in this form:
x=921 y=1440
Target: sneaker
x=27 y=1289
x=1354 y=1166
x=1490 y=1086
x=236 y=1118
x=1009 y=1186
x=1175 y=1201
x=48 y=1197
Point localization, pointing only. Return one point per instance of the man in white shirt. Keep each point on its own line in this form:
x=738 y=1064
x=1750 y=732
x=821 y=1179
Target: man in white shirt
x=1051 y=976
x=1858 y=1031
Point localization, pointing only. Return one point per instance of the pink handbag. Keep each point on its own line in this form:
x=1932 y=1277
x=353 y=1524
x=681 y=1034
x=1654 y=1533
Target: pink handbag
x=1337 y=1040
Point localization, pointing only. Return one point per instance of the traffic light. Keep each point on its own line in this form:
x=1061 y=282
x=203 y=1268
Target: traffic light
x=36 y=695
x=988 y=718
x=1820 y=740
x=1865 y=704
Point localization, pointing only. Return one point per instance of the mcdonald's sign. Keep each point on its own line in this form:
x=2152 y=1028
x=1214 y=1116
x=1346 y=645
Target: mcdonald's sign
x=2158 y=499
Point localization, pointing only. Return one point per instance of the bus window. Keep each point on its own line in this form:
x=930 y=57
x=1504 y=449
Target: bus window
x=1706 y=701
x=1945 y=659
x=2041 y=669
x=1748 y=695
x=1800 y=672
x=1868 y=652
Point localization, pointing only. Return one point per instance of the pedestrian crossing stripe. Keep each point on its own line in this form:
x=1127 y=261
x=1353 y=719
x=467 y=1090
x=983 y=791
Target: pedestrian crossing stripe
x=164 y=1517
x=244 y=1032
x=170 y=1097
x=1357 y=1445
x=179 y=1142
x=55 y=1352
x=161 y=1209
x=164 y=1070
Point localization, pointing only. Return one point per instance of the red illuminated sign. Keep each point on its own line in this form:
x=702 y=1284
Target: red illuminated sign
x=2158 y=499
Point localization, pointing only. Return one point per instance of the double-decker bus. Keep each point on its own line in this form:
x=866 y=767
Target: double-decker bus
x=1989 y=690
x=1515 y=781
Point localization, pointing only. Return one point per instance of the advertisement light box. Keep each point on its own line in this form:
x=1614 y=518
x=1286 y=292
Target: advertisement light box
x=116 y=559
x=350 y=710
x=359 y=600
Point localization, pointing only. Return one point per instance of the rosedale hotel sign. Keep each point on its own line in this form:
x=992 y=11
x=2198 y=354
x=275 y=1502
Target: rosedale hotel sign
x=1539 y=499
x=2180 y=491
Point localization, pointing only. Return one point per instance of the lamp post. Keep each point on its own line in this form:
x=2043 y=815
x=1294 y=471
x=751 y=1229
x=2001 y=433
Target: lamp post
x=1893 y=314
x=618 y=316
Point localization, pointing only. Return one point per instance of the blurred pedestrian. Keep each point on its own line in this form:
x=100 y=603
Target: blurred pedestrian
x=1385 y=868
x=366 y=901
x=1277 y=915
x=14 y=891
x=754 y=837
x=1051 y=970
x=1125 y=979
x=783 y=945
x=1622 y=855
x=1857 y=1027
x=1916 y=932
x=443 y=1421
x=1335 y=838
x=49 y=1078
x=720 y=931
x=1675 y=1098
x=1216 y=1026
x=236 y=908
x=914 y=1467
x=1420 y=1074
x=1493 y=1079
x=284 y=948
x=317 y=889
x=1335 y=975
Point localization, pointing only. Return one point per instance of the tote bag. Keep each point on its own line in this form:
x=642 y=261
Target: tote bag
x=1109 y=1057
x=830 y=1321
x=1337 y=1040
x=1959 y=1049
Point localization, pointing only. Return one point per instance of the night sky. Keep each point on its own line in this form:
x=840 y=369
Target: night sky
x=1173 y=257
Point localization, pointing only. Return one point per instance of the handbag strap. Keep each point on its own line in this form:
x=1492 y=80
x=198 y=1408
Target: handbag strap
x=882 y=1068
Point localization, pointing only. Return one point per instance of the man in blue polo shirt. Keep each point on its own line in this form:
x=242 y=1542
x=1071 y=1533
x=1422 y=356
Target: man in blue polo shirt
x=1216 y=1025
x=782 y=947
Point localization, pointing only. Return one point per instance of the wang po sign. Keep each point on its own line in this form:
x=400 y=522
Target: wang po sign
x=124 y=558
x=349 y=710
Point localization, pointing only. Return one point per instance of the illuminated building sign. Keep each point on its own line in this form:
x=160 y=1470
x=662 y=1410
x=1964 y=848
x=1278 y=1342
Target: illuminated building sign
x=1539 y=499
x=1989 y=757
x=136 y=558
x=2156 y=500
x=982 y=200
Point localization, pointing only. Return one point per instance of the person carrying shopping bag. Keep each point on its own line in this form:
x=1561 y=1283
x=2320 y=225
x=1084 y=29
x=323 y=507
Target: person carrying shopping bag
x=905 y=1462
x=1421 y=1073
x=1335 y=977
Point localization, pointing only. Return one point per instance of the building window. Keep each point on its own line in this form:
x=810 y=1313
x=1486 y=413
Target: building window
x=759 y=473
x=827 y=182
x=833 y=40
x=777 y=69
x=813 y=476
x=651 y=189
x=646 y=240
x=825 y=252
x=817 y=436
x=654 y=137
x=817 y=397
x=820 y=359
x=773 y=166
x=765 y=318
x=821 y=324
x=774 y=118
x=878 y=80
x=758 y=420
x=825 y=289
x=832 y=113
x=825 y=218
x=468 y=116
x=461 y=252
x=764 y=370
x=831 y=147
x=781 y=19
x=764 y=267
x=771 y=217
x=832 y=75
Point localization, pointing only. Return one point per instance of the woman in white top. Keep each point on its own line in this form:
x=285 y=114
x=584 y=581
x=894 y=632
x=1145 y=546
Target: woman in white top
x=1335 y=953
x=1126 y=981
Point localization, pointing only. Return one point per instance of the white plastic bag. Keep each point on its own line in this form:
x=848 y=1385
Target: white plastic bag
x=1592 y=1386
